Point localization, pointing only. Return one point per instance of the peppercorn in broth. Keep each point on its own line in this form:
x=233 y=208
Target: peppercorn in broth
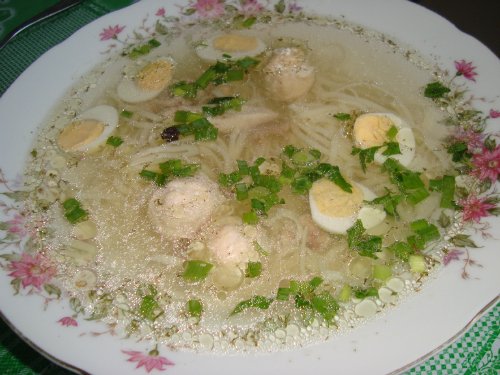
x=257 y=189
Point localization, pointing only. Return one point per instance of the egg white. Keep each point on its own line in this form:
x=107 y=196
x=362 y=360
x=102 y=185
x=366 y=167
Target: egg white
x=130 y=92
x=404 y=137
x=105 y=114
x=208 y=52
x=370 y=216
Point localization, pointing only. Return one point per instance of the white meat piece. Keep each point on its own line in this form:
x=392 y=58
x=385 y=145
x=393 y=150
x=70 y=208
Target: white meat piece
x=287 y=75
x=183 y=206
x=249 y=117
x=230 y=246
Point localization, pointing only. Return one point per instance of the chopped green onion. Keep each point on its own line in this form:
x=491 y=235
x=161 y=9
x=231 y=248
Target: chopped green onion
x=363 y=293
x=258 y=302
x=235 y=75
x=366 y=155
x=229 y=179
x=417 y=263
x=259 y=249
x=435 y=90
x=114 y=141
x=195 y=308
x=143 y=49
x=426 y=231
x=332 y=172
x=269 y=182
x=390 y=202
x=401 y=250
x=186 y=116
x=177 y=168
x=365 y=245
x=392 y=132
x=217 y=74
x=382 y=272
x=392 y=148
x=249 y=22
x=283 y=294
x=208 y=76
x=196 y=270
x=407 y=181
x=325 y=305
x=184 y=89
x=241 y=191
x=254 y=269
x=247 y=63
x=250 y=218
x=342 y=116
x=459 y=152
x=446 y=186
x=345 y=293
x=71 y=204
x=126 y=114
x=150 y=309
x=73 y=211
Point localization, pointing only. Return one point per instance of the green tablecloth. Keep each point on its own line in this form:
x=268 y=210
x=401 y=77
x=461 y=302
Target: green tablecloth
x=475 y=352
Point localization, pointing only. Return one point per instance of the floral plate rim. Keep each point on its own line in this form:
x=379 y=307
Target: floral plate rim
x=110 y=31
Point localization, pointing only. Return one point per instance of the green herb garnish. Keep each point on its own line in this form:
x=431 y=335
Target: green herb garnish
x=143 y=49
x=258 y=302
x=341 y=116
x=366 y=155
x=389 y=201
x=150 y=309
x=459 y=152
x=196 y=270
x=217 y=74
x=254 y=269
x=365 y=245
x=195 y=308
x=219 y=106
x=114 y=141
x=407 y=181
x=435 y=90
x=446 y=186
x=73 y=211
x=392 y=132
x=126 y=114
x=170 y=168
x=363 y=293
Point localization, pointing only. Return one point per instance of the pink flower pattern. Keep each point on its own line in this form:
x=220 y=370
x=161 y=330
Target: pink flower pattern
x=160 y=12
x=68 y=321
x=209 y=8
x=32 y=270
x=487 y=164
x=474 y=140
x=475 y=208
x=17 y=225
x=294 y=8
x=111 y=32
x=150 y=361
x=494 y=113
x=250 y=7
x=452 y=255
x=466 y=69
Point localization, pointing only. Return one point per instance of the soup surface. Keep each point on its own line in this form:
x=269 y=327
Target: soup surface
x=252 y=189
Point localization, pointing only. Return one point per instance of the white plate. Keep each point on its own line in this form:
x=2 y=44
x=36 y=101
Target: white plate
x=420 y=325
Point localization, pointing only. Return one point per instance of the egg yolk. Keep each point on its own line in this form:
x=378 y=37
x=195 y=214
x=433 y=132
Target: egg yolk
x=371 y=130
x=154 y=76
x=79 y=133
x=331 y=200
x=235 y=43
